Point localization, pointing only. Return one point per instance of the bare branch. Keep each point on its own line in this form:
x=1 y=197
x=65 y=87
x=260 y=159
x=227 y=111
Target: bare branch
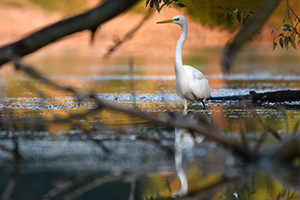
x=289 y=16
x=129 y=35
x=89 y=20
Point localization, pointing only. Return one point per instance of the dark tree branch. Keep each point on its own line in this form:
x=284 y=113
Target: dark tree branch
x=89 y=20
x=276 y=96
x=245 y=34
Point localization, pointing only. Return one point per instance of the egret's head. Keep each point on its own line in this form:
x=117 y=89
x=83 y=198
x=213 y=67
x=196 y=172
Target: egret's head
x=178 y=19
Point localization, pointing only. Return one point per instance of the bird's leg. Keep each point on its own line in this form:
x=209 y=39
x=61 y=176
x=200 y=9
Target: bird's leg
x=203 y=104
x=184 y=106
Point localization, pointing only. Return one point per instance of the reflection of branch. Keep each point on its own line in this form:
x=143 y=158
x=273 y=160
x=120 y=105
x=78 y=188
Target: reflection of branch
x=116 y=175
x=128 y=35
x=11 y=183
x=62 y=186
x=91 y=185
x=85 y=21
x=10 y=186
x=132 y=188
x=210 y=191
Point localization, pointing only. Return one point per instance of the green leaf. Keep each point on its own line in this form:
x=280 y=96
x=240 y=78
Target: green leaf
x=220 y=15
x=286 y=43
x=274 y=44
x=223 y=8
x=229 y=19
x=181 y=5
x=157 y=5
x=281 y=42
x=244 y=21
x=238 y=16
x=273 y=30
x=147 y=2
x=151 y=3
x=292 y=41
x=294 y=45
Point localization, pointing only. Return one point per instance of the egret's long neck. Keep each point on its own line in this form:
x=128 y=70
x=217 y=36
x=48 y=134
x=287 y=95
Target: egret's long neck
x=178 y=53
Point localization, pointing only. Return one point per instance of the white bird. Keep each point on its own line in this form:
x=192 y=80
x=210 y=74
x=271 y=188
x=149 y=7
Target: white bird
x=190 y=84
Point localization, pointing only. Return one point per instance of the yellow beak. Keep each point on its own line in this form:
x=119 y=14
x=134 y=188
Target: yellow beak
x=166 y=21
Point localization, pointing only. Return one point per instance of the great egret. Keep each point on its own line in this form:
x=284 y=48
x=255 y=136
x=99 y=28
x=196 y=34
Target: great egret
x=190 y=84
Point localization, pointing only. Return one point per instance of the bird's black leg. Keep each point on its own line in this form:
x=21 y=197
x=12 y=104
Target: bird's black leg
x=203 y=104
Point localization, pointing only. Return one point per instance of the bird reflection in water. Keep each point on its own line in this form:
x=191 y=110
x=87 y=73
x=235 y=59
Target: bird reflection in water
x=184 y=142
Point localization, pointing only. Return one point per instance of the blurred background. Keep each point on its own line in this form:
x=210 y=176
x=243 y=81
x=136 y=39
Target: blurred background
x=59 y=159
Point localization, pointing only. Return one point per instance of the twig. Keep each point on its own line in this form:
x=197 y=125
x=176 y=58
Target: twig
x=288 y=12
x=286 y=121
x=242 y=132
x=295 y=16
x=266 y=126
x=128 y=35
x=132 y=88
x=260 y=142
x=295 y=128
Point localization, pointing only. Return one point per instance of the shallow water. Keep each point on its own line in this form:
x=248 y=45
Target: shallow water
x=55 y=153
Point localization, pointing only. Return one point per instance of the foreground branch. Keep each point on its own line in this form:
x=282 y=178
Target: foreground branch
x=89 y=20
x=171 y=119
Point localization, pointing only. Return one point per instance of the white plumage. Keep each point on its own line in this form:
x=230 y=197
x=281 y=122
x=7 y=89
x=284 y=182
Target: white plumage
x=190 y=84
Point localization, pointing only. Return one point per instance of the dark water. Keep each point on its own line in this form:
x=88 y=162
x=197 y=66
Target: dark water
x=110 y=155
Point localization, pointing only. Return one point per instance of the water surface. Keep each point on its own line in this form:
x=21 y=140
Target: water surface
x=56 y=153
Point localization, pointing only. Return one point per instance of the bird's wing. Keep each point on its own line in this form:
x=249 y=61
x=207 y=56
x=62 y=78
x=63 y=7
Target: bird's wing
x=198 y=83
x=193 y=73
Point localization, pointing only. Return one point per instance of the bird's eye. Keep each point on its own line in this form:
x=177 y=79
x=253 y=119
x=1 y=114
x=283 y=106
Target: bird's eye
x=176 y=19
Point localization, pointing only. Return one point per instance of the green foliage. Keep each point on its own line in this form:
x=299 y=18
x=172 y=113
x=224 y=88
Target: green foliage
x=231 y=15
x=288 y=34
x=210 y=12
x=159 y=4
x=207 y=11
